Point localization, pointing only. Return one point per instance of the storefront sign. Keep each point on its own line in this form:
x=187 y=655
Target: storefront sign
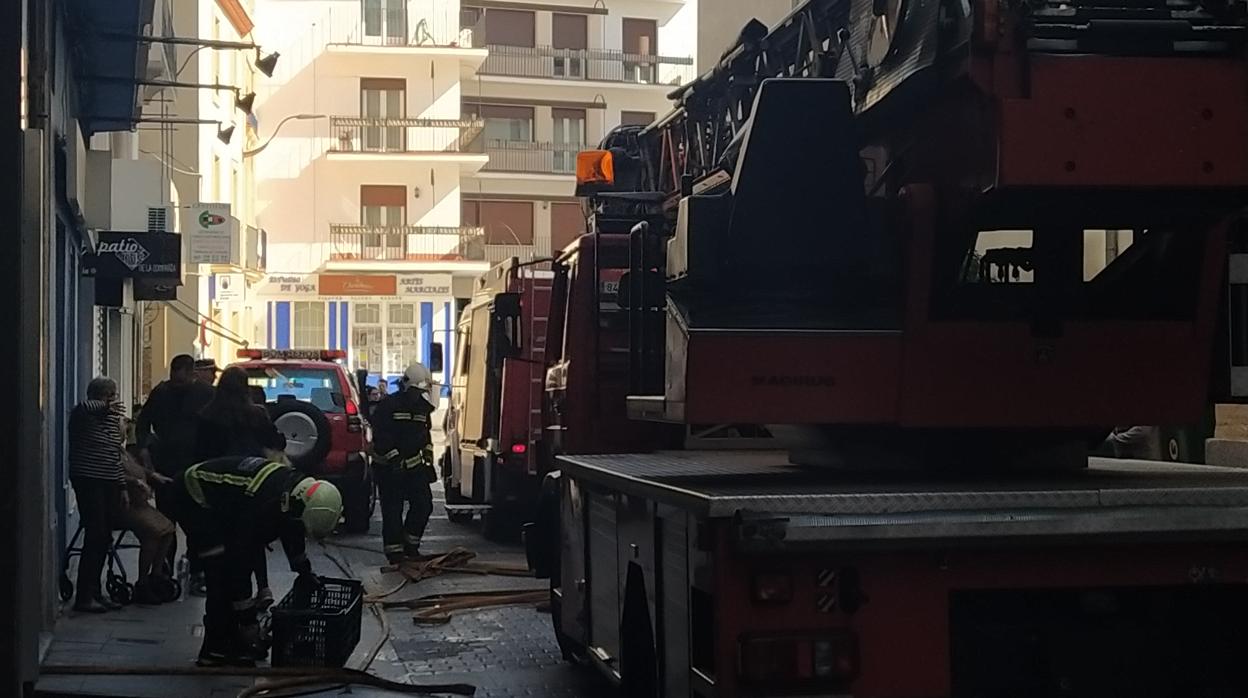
x=288 y=285
x=358 y=285
x=425 y=285
x=139 y=255
x=230 y=287
x=211 y=231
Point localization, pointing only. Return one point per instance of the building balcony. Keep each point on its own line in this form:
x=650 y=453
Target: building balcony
x=531 y=158
x=406 y=243
x=400 y=32
x=525 y=253
x=404 y=136
x=586 y=65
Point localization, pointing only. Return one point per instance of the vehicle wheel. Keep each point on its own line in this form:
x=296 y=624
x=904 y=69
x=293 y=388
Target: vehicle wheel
x=307 y=432
x=66 y=587
x=358 y=507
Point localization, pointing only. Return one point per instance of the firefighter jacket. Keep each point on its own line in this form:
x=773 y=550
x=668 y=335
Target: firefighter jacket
x=401 y=430
x=249 y=503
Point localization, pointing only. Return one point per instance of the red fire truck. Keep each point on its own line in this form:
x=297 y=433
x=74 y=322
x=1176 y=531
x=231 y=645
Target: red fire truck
x=493 y=424
x=813 y=244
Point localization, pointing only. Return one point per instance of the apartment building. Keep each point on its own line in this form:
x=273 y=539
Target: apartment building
x=557 y=79
x=359 y=186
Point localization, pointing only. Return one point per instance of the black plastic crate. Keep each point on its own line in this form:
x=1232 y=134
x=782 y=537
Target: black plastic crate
x=320 y=628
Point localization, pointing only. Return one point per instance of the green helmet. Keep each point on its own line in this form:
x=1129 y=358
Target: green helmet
x=322 y=506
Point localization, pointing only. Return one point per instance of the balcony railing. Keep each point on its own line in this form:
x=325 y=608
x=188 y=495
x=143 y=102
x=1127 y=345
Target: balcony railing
x=498 y=253
x=539 y=158
x=379 y=135
x=401 y=243
x=400 y=30
x=587 y=64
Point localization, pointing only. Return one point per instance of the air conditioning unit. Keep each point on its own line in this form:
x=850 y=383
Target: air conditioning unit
x=159 y=219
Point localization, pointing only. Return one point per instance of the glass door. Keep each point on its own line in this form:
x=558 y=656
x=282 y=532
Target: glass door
x=385 y=21
x=569 y=138
x=382 y=102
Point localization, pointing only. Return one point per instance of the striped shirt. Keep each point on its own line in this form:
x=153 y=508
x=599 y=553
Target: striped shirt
x=95 y=442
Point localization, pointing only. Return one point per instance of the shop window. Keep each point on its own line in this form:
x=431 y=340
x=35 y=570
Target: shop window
x=308 y=331
x=402 y=313
x=368 y=313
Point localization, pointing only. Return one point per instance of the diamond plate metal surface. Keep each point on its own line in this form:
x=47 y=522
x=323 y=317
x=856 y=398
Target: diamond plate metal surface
x=721 y=484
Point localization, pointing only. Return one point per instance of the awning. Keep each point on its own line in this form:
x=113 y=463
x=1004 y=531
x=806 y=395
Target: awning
x=110 y=61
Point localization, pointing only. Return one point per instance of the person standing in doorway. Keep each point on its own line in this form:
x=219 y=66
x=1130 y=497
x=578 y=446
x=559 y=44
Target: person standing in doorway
x=98 y=476
x=165 y=435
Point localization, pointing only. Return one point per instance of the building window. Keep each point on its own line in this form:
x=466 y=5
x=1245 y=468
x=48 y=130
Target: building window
x=401 y=313
x=504 y=124
x=308 y=331
x=367 y=314
x=385 y=21
x=505 y=222
x=640 y=40
x=510 y=28
x=567 y=223
x=383 y=209
x=569 y=138
x=382 y=99
x=636 y=118
x=571 y=34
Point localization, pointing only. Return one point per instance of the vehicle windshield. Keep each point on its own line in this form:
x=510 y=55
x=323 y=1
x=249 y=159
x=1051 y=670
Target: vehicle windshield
x=318 y=386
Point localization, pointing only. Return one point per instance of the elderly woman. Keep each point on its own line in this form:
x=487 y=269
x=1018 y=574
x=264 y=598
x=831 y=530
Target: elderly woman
x=99 y=479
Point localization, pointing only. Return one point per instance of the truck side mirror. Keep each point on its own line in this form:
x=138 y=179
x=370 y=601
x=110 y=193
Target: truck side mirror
x=506 y=325
x=435 y=357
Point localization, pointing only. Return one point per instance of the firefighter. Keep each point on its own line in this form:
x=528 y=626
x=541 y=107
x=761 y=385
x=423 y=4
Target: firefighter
x=231 y=508
x=402 y=440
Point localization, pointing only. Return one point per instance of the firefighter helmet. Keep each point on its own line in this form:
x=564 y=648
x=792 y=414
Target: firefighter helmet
x=322 y=506
x=418 y=376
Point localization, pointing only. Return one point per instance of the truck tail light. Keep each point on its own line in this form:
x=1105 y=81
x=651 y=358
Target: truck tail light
x=772 y=587
x=354 y=423
x=519 y=449
x=797 y=662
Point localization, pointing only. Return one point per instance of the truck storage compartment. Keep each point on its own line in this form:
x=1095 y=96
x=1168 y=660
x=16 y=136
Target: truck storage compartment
x=1159 y=642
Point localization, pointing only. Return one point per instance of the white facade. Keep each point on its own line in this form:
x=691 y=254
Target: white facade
x=359 y=187
x=558 y=78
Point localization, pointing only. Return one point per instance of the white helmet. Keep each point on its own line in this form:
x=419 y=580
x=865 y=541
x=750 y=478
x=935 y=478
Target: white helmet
x=322 y=506
x=419 y=377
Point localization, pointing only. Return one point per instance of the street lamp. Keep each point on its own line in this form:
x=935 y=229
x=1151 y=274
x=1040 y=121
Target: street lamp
x=293 y=117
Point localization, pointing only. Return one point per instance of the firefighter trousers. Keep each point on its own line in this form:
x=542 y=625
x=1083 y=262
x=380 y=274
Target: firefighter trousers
x=399 y=488
x=227 y=563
